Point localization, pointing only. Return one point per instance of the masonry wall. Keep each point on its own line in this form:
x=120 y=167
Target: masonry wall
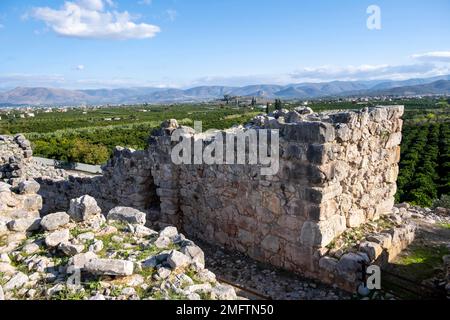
x=126 y=181
x=337 y=170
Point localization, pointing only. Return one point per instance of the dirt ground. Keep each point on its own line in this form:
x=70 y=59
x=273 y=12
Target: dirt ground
x=417 y=273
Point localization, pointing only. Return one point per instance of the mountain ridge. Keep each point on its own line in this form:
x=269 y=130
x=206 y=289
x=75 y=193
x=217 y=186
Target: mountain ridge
x=56 y=96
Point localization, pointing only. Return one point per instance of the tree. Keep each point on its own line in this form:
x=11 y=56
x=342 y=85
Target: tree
x=85 y=152
x=226 y=98
x=253 y=101
x=278 y=104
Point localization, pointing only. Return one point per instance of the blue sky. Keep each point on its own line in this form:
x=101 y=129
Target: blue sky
x=183 y=43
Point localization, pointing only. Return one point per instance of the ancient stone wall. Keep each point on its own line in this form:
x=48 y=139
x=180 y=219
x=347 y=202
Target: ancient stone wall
x=126 y=181
x=338 y=170
x=17 y=163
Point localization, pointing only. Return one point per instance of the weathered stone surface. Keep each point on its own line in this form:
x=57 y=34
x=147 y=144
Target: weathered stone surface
x=16 y=282
x=127 y=214
x=24 y=224
x=31 y=248
x=349 y=266
x=54 y=238
x=83 y=208
x=142 y=231
x=372 y=249
x=177 y=259
x=328 y=263
x=110 y=267
x=223 y=292
x=383 y=239
x=169 y=232
x=29 y=187
x=323 y=232
x=54 y=221
x=70 y=249
x=80 y=260
x=6 y=268
x=195 y=253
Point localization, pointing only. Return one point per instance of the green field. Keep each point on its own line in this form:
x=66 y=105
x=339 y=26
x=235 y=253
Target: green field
x=89 y=136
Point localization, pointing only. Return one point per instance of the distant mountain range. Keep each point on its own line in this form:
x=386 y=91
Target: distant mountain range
x=52 y=96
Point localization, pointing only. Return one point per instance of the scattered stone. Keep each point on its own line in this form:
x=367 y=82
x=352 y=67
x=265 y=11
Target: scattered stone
x=98 y=296
x=16 y=282
x=196 y=288
x=223 y=292
x=164 y=273
x=126 y=214
x=142 y=231
x=177 y=260
x=56 y=237
x=24 y=224
x=110 y=267
x=80 y=260
x=195 y=253
x=70 y=249
x=129 y=291
x=97 y=246
x=30 y=248
x=54 y=221
x=5 y=258
x=7 y=269
x=85 y=237
x=169 y=232
x=83 y=208
x=106 y=231
x=163 y=242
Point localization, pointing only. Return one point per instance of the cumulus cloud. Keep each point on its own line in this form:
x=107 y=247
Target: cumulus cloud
x=92 y=19
x=80 y=67
x=436 y=56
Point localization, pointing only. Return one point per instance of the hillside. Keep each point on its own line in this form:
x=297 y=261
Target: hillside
x=48 y=96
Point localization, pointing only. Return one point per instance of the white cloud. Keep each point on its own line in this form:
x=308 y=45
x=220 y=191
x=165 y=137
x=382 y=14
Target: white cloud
x=91 y=19
x=80 y=67
x=436 y=56
x=366 y=72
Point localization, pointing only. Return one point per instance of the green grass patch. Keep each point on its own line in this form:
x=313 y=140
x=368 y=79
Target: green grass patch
x=3 y=241
x=419 y=262
x=445 y=225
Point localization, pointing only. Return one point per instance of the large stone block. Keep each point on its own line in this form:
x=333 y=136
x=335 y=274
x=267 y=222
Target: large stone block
x=320 y=234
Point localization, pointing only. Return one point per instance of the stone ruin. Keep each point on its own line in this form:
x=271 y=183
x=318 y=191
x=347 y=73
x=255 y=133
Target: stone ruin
x=337 y=171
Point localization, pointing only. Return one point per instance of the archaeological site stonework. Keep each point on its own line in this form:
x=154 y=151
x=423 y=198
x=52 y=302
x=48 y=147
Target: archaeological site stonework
x=337 y=171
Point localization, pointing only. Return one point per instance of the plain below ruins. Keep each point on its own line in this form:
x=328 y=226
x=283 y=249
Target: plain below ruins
x=337 y=172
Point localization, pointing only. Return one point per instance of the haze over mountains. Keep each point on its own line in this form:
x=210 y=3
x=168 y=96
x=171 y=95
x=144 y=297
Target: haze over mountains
x=53 y=96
